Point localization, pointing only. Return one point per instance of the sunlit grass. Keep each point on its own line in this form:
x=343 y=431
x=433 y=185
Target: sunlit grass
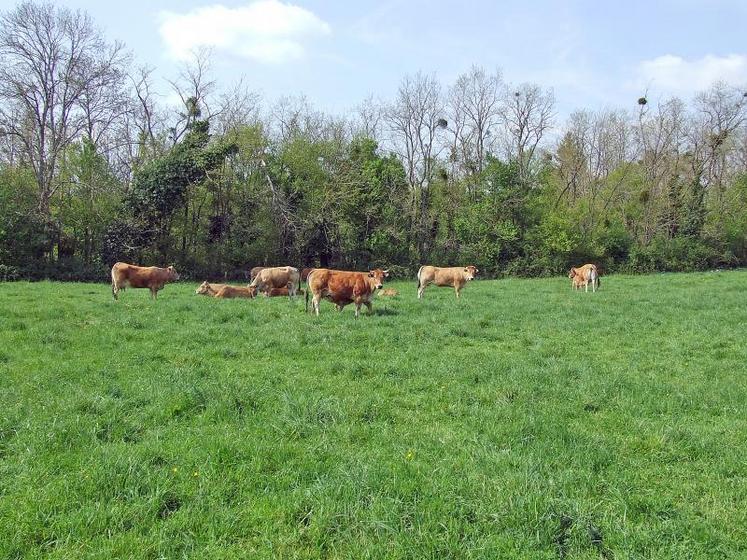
x=522 y=421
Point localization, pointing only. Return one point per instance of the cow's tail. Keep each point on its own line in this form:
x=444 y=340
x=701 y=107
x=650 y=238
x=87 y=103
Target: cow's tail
x=308 y=289
x=419 y=271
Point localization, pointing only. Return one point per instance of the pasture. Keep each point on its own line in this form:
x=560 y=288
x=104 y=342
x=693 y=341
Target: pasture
x=522 y=421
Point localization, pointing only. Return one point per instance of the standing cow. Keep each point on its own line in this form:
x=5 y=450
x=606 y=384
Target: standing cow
x=343 y=287
x=150 y=277
x=277 y=277
x=456 y=276
x=583 y=276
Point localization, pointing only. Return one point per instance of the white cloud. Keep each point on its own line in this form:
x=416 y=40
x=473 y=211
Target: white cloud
x=267 y=31
x=674 y=74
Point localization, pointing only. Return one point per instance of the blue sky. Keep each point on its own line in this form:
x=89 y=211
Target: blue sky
x=593 y=54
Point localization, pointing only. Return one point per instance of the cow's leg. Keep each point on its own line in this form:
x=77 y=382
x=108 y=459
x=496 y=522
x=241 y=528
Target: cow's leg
x=115 y=290
x=421 y=289
x=369 y=306
x=315 y=303
x=357 y=308
x=456 y=289
x=586 y=287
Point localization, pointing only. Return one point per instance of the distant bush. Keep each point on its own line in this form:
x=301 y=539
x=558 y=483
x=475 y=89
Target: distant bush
x=9 y=273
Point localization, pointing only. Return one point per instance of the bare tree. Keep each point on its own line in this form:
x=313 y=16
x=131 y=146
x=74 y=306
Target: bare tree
x=194 y=86
x=474 y=109
x=415 y=119
x=369 y=121
x=720 y=113
x=528 y=113
x=53 y=64
x=239 y=106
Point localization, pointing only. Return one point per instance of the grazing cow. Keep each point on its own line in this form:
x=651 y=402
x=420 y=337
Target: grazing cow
x=583 y=276
x=254 y=271
x=343 y=287
x=305 y=274
x=151 y=277
x=456 y=276
x=388 y=292
x=275 y=292
x=208 y=289
x=277 y=277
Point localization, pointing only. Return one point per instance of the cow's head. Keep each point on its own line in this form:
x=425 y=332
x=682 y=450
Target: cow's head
x=572 y=273
x=469 y=272
x=378 y=276
x=252 y=291
x=203 y=289
x=173 y=274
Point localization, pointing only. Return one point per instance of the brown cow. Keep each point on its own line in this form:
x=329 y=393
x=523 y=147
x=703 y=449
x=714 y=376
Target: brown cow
x=254 y=271
x=235 y=292
x=208 y=289
x=275 y=292
x=343 y=287
x=305 y=274
x=456 y=276
x=225 y=291
x=277 y=277
x=583 y=276
x=150 y=277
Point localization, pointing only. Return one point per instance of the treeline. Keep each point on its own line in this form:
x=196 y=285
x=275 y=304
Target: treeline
x=94 y=168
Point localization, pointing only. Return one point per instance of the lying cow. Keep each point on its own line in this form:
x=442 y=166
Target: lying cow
x=225 y=291
x=277 y=277
x=151 y=277
x=583 y=276
x=456 y=276
x=388 y=292
x=343 y=287
x=276 y=292
x=208 y=289
x=235 y=292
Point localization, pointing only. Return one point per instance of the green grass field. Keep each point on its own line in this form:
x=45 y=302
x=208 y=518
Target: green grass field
x=523 y=421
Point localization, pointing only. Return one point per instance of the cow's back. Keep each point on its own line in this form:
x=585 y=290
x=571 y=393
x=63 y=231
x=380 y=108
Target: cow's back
x=448 y=276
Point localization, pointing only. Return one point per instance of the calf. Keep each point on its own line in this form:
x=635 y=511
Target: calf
x=276 y=292
x=151 y=277
x=254 y=271
x=388 y=292
x=456 y=276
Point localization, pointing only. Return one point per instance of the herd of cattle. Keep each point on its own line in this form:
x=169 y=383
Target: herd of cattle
x=337 y=286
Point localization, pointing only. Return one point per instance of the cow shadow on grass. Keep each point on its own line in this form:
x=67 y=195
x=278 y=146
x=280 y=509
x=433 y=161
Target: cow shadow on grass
x=383 y=312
